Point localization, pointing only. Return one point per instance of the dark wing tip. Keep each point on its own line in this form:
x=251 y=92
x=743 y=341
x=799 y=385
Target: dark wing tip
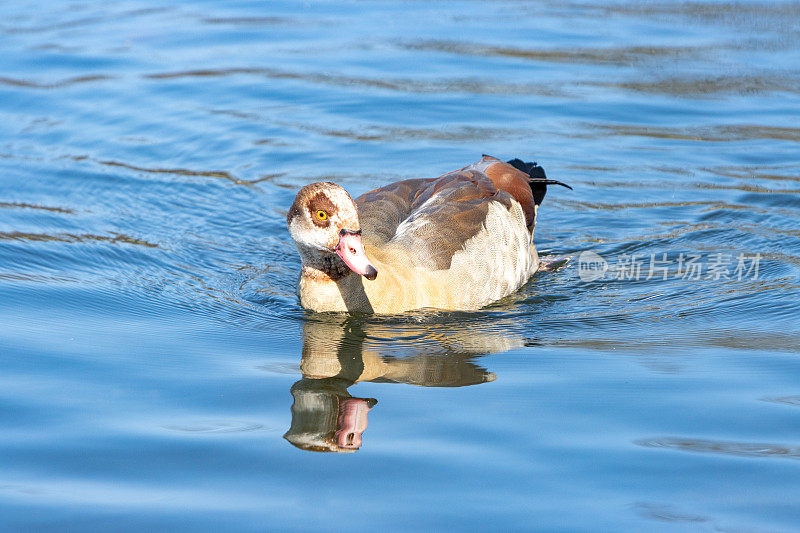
x=538 y=179
x=554 y=182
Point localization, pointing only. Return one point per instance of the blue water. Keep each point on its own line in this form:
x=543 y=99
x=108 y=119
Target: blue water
x=155 y=365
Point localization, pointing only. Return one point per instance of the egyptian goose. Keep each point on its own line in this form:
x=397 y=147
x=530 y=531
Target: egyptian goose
x=457 y=242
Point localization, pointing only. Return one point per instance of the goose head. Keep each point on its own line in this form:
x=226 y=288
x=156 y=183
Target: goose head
x=323 y=221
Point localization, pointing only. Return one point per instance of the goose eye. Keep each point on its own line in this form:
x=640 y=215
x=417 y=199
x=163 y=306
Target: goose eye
x=322 y=215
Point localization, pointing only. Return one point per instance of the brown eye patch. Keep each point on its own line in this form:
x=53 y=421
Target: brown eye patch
x=320 y=203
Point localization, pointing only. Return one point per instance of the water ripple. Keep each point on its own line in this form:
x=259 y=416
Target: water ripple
x=407 y=85
x=737 y=449
x=727 y=133
x=70 y=238
x=786 y=400
x=216 y=427
x=23 y=205
x=66 y=82
x=705 y=86
x=601 y=56
x=186 y=172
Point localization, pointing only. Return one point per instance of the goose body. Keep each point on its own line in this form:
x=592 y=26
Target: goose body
x=457 y=242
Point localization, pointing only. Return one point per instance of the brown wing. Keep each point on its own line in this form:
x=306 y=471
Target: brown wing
x=429 y=220
x=381 y=210
x=510 y=179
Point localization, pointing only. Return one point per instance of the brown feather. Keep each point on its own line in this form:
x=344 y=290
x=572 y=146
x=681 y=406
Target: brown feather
x=436 y=217
x=514 y=182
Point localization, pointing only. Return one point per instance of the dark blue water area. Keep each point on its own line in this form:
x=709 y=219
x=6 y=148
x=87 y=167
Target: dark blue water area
x=157 y=371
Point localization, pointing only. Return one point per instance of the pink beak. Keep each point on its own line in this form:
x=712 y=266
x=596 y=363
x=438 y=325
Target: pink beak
x=351 y=250
x=352 y=422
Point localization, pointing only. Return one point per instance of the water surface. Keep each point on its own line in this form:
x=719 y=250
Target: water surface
x=156 y=370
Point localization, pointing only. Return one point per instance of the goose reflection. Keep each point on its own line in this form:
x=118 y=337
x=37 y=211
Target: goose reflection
x=339 y=352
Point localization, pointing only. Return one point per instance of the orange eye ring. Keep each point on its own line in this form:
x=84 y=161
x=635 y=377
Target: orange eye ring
x=322 y=215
